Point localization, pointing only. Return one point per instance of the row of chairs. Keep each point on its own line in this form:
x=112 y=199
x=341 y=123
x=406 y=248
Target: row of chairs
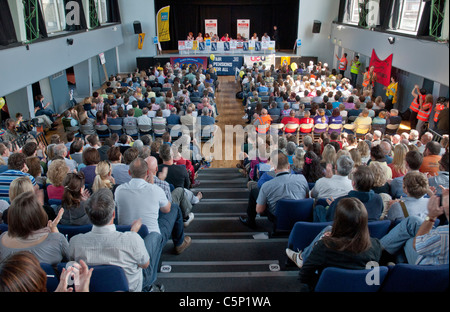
x=399 y=278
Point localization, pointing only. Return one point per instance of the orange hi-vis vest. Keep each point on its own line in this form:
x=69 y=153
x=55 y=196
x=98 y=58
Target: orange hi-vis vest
x=424 y=113
x=263 y=120
x=343 y=64
x=367 y=79
x=415 y=105
x=439 y=107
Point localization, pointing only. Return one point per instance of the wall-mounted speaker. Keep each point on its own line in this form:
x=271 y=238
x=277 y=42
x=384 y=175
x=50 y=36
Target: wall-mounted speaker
x=316 y=27
x=137 y=27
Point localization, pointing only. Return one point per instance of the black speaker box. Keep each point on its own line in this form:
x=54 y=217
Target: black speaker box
x=316 y=27
x=137 y=27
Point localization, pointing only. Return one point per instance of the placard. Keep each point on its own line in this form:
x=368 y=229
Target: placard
x=189 y=61
x=181 y=45
x=243 y=28
x=211 y=27
x=267 y=60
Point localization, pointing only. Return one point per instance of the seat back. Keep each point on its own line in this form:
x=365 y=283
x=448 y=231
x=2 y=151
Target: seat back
x=72 y=230
x=306 y=127
x=347 y=280
x=405 y=277
x=144 y=128
x=289 y=211
x=335 y=128
x=303 y=233
x=378 y=229
x=381 y=128
x=105 y=278
x=87 y=129
x=52 y=277
x=143 y=231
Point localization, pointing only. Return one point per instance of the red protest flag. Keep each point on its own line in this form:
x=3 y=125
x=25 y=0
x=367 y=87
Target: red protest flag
x=382 y=68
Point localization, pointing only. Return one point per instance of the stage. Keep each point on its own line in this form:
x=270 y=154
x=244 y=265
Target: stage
x=224 y=62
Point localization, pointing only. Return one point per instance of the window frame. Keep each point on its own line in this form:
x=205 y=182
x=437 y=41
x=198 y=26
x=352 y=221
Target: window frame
x=418 y=17
x=60 y=15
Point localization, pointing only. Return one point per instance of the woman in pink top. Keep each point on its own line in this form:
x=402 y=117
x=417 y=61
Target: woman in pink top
x=56 y=174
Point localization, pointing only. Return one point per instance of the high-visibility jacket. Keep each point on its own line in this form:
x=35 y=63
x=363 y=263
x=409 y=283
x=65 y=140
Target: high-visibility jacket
x=355 y=67
x=424 y=113
x=415 y=106
x=439 y=107
x=263 y=120
x=391 y=92
x=367 y=79
x=343 y=63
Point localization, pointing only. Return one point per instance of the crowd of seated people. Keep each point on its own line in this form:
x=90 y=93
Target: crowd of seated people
x=392 y=175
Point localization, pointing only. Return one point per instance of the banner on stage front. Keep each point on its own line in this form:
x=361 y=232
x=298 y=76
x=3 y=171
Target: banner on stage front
x=211 y=27
x=189 y=61
x=382 y=68
x=162 y=24
x=233 y=45
x=195 y=45
x=226 y=65
x=267 y=60
x=243 y=28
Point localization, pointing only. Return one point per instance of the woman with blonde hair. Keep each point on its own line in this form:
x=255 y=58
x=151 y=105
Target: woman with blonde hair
x=398 y=165
x=380 y=183
x=356 y=157
x=364 y=150
x=103 y=177
x=328 y=156
x=298 y=160
x=57 y=171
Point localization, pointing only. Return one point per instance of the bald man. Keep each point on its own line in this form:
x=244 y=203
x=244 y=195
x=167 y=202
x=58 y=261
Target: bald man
x=264 y=119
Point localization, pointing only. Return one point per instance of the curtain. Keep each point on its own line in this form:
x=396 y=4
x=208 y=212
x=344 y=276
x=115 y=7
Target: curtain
x=7 y=30
x=341 y=14
x=82 y=25
x=112 y=8
x=424 y=26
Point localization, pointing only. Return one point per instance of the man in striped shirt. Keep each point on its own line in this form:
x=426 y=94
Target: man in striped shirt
x=422 y=244
x=17 y=167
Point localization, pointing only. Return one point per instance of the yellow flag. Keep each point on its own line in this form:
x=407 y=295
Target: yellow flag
x=141 y=41
x=162 y=22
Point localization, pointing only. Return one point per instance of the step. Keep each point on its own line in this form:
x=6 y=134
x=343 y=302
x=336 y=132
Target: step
x=221 y=206
x=219 y=176
x=224 y=193
x=219 y=170
x=232 y=183
x=227 y=224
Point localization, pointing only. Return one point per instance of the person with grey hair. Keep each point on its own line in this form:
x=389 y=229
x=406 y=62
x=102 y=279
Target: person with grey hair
x=335 y=184
x=60 y=150
x=144 y=119
x=206 y=119
x=307 y=142
x=138 y=144
x=386 y=147
x=95 y=246
x=141 y=199
x=290 y=151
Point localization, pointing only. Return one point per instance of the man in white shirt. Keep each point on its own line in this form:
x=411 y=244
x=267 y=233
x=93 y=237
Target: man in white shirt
x=139 y=199
x=144 y=119
x=337 y=184
x=104 y=245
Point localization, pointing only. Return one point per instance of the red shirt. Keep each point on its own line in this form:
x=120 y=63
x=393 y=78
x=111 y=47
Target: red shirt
x=306 y=121
x=290 y=120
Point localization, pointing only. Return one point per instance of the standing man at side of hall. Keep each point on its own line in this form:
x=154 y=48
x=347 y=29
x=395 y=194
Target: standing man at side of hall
x=354 y=70
x=343 y=62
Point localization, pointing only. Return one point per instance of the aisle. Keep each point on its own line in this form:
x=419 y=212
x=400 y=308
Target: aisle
x=230 y=113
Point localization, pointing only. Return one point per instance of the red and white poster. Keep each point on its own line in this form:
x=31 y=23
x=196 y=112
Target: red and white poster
x=211 y=27
x=243 y=28
x=382 y=68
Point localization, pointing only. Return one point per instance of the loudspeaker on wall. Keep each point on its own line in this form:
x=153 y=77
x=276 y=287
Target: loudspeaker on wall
x=316 y=27
x=137 y=27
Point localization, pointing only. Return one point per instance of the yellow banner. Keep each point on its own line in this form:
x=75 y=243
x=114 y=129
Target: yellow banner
x=195 y=45
x=162 y=22
x=141 y=41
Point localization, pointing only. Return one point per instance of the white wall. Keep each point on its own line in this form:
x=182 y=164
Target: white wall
x=326 y=12
x=144 y=12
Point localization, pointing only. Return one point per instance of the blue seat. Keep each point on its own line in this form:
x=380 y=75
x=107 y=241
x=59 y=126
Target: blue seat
x=311 y=185
x=347 y=280
x=3 y=227
x=143 y=231
x=52 y=277
x=303 y=233
x=378 y=229
x=289 y=211
x=405 y=277
x=105 y=278
x=72 y=230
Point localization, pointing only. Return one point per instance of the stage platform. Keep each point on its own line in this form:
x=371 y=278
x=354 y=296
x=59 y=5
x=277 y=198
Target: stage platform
x=225 y=62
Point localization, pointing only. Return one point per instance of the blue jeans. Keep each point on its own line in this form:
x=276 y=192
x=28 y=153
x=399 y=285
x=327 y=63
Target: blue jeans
x=306 y=252
x=402 y=236
x=171 y=226
x=47 y=112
